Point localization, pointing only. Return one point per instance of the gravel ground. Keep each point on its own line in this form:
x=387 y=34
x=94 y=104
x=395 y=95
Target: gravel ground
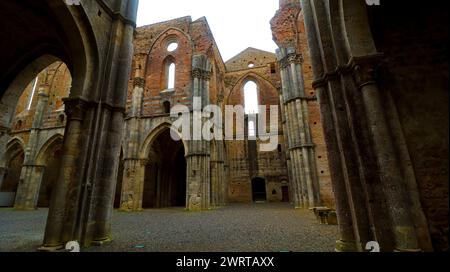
x=235 y=228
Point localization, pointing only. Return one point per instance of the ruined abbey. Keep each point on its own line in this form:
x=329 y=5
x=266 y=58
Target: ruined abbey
x=355 y=96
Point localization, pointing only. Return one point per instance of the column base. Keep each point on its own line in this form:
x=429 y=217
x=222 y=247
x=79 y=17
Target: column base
x=101 y=241
x=126 y=210
x=410 y=250
x=50 y=248
x=345 y=246
x=24 y=209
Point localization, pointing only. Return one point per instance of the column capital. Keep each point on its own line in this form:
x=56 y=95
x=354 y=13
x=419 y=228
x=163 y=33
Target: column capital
x=144 y=162
x=139 y=82
x=75 y=108
x=201 y=74
x=43 y=94
x=364 y=68
x=291 y=58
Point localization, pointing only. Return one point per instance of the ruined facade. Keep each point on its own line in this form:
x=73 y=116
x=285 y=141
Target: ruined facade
x=219 y=171
x=362 y=98
x=156 y=171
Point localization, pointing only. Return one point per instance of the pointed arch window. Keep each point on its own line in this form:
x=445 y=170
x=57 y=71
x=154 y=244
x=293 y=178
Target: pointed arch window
x=33 y=91
x=251 y=98
x=171 y=75
x=251 y=129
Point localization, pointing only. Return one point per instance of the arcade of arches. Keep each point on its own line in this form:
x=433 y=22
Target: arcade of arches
x=362 y=125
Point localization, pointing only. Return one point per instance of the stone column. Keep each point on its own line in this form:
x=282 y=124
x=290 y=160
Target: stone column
x=94 y=221
x=82 y=200
x=59 y=229
x=346 y=240
x=4 y=137
x=370 y=188
x=31 y=174
x=221 y=175
x=389 y=168
x=301 y=148
x=199 y=150
x=217 y=175
x=134 y=168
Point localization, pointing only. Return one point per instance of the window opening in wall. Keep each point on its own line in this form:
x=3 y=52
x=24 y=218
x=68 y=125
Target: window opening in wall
x=33 y=91
x=251 y=129
x=251 y=98
x=171 y=76
x=166 y=106
x=172 y=47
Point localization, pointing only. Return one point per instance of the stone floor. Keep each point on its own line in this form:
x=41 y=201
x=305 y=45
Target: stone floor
x=235 y=228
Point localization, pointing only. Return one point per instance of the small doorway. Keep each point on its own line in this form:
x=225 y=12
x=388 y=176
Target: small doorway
x=285 y=193
x=259 y=190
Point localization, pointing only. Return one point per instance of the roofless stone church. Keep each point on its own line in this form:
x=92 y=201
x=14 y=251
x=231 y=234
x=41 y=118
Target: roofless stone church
x=359 y=95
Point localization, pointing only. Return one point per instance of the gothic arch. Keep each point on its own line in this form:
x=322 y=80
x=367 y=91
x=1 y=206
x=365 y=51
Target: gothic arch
x=15 y=142
x=161 y=185
x=149 y=140
x=161 y=36
x=51 y=30
x=40 y=158
x=159 y=58
x=259 y=80
x=48 y=162
x=13 y=147
x=12 y=94
x=75 y=48
x=11 y=171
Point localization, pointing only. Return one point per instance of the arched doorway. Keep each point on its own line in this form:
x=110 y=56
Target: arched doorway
x=285 y=193
x=14 y=161
x=259 y=190
x=91 y=142
x=51 y=159
x=165 y=173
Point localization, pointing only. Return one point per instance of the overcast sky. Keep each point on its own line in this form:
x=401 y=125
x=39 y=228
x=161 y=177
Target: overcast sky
x=235 y=24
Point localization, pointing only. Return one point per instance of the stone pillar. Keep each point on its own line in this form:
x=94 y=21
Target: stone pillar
x=4 y=137
x=221 y=175
x=134 y=168
x=31 y=174
x=111 y=119
x=346 y=240
x=389 y=168
x=218 y=179
x=217 y=175
x=82 y=200
x=59 y=229
x=301 y=148
x=199 y=150
x=371 y=189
